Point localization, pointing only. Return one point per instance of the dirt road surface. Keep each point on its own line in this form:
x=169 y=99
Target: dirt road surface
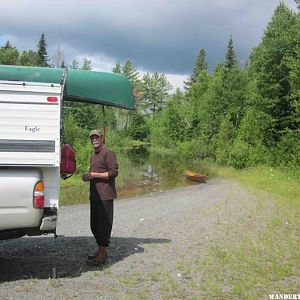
x=155 y=238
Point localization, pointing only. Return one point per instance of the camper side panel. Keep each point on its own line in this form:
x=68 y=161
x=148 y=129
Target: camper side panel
x=29 y=124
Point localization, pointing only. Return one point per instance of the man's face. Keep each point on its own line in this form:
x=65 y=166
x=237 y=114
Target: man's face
x=96 y=141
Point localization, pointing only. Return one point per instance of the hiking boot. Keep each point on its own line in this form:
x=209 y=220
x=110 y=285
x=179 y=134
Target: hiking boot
x=99 y=257
x=93 y=255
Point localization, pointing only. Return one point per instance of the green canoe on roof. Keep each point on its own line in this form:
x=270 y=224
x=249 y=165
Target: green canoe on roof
x=110 y=89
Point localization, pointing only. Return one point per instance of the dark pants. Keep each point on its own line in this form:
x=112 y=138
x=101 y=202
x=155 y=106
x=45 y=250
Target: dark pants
x=101 y=220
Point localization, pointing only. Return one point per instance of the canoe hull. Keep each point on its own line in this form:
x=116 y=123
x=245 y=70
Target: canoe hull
x=195 y=176
x=109 y=89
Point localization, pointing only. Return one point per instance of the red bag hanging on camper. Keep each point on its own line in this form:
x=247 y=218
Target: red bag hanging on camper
x=67 y=160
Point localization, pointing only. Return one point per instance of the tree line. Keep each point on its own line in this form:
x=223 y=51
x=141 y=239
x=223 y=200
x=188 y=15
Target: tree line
x=238 y=115
x=241 y=116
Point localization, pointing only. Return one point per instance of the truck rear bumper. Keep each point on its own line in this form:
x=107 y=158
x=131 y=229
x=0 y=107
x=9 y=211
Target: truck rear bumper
x=48 y=223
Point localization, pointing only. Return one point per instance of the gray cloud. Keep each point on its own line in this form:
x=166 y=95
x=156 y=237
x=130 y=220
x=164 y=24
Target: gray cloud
x=157 y=36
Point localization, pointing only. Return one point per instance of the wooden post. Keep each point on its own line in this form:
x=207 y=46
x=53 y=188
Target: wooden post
x=104 y=125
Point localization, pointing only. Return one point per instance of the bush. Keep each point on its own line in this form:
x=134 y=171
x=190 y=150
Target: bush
x=116 y=140
x=158 y=135
x=287 y=151
x=138 y=129
x=188 y=149
x=239 y=155
x=224 y=141
x=244 y=155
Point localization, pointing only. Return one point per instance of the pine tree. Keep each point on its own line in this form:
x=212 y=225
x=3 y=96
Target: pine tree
x=7 y=45
x=131 y=73
x=200 y=66
x=273 y=64
x=117 y=69
x=42 y=55
x=74 y=65
x=155 y=91
x=129 y=70
x=87 y=65
x=230 y=59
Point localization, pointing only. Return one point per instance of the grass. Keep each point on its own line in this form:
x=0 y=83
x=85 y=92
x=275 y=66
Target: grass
x=130 y=280
x=281 y=184
x=74 y=191
x=265 y=261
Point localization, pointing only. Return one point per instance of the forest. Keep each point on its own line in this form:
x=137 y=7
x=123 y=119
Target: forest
x=238 y=121
x=237 y=114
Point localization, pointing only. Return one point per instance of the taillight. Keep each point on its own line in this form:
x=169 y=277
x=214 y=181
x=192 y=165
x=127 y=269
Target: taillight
x=52 y=99
x=38 y=195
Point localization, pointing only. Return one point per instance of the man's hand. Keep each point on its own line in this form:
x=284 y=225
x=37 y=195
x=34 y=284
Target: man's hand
x=87 y=177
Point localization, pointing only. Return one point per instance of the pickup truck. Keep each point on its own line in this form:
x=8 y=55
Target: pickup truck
x=31 y=109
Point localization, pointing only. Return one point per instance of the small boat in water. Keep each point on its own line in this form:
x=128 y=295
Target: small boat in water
x=195 y=176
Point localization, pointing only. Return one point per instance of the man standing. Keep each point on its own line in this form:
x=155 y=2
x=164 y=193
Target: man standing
x=101 y=175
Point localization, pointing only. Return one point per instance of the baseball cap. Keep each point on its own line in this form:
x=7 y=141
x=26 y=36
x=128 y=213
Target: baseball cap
x=95 y=132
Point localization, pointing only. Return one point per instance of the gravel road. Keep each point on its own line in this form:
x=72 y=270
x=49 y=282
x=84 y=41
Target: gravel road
x=152 y=236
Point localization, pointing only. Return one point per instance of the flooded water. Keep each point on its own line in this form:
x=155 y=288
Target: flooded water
x=141 y=171
x=144 y=171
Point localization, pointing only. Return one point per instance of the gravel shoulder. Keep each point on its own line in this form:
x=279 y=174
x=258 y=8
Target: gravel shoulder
x=157 y=242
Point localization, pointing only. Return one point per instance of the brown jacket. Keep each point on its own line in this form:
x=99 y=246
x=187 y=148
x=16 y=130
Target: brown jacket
x=103 y=161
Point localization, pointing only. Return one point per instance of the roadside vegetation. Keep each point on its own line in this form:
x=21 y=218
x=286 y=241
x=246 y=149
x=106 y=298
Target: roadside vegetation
x=264 y=257
x=242 y=120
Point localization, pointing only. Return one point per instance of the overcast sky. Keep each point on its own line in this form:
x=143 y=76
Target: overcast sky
x=161 y=36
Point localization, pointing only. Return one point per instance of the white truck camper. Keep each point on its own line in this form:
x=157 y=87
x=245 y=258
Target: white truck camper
x=31 y=105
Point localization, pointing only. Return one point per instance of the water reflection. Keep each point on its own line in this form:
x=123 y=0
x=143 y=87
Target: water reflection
x=141 y=171
x=138 y=155
x=145 y=171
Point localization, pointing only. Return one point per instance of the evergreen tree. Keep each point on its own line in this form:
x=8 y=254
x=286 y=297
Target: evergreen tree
x=117 y=69
x=7 y=45
x=131 y=73
x=230 y=58
x=138 y=129
x=293 y=63
x=74 y=65
x=200 y=66
x=42 y=55
x=86 y=65
x=272 y=65
x=155 y=91
x=173 y=121
x=194 y=105
x=126 y=117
